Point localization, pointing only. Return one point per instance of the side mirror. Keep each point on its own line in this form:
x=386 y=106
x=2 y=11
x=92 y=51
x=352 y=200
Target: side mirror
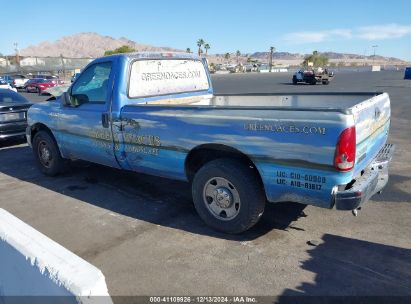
x=66 y=99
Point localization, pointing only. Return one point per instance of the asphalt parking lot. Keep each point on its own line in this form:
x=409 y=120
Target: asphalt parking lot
x=145 y=236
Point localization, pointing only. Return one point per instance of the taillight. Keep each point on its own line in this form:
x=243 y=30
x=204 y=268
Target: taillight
x=344 y=159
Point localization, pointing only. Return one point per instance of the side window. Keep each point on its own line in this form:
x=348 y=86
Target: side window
x=92 y=84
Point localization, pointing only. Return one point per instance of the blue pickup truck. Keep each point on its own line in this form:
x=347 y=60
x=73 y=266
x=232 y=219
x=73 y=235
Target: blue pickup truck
x=155 y=113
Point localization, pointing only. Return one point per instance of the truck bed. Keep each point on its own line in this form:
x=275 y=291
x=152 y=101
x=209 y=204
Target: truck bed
x=371 y=113
x=340 y=102
x=336 y=102
x=368 y=111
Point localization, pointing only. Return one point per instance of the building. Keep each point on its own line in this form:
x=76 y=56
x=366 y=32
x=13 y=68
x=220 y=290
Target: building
x=4 y=62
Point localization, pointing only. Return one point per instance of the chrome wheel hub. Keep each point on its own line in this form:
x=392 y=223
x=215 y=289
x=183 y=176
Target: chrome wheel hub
x=44 y=153
x=223 y=197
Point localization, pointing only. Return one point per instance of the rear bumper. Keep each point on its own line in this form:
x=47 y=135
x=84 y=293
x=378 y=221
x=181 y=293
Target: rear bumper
x=28 y=135
x=12 y=129
x=14 y=134
x=371 y=182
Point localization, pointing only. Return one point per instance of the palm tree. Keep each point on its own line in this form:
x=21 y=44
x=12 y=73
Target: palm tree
x=227 y=56
x=207 y=47
x=238 y=54
x=272 y=50
x=188 y=50
x=200 y=42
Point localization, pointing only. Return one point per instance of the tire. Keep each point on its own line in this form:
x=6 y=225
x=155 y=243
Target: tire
x=325 y=82
x=295 y=80
x=47 y=154
x=236 y=189
x=313 y=81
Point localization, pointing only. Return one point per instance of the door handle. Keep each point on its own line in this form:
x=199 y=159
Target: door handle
x=105 y=120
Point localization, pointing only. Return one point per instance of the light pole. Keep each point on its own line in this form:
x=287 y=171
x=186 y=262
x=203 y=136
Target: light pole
x=272 y=50
x=16 y=48
x=373 y=58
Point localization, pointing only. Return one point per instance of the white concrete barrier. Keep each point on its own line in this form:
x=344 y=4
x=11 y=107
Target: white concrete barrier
x=31 y=264
x=222 y=72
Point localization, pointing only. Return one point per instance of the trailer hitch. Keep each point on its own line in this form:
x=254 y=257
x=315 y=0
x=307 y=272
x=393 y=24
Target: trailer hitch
x=355 y=211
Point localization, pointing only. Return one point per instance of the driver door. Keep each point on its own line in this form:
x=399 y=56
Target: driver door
x=86 y=131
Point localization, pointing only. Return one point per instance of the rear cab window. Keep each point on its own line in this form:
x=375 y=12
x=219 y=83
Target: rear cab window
x=160 y=77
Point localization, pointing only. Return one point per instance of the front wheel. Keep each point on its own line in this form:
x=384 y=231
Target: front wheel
x=47 y=154
x=228 y=195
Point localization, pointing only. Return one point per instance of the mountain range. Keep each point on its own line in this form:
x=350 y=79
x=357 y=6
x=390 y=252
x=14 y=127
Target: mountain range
x=85 y=45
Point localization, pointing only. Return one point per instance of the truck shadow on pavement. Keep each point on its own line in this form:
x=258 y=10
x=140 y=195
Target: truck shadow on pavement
x=396 y=190
x=347 y=268
x=148 y=198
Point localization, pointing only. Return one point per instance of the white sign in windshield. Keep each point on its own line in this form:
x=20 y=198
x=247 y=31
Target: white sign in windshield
x=162 y=77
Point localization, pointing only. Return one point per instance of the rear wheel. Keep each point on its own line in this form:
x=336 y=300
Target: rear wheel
x=47 y=154
x=325 y=82
x=228 y=195
x=295 y=80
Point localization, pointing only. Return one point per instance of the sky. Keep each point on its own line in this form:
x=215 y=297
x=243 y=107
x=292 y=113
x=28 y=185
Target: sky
x=227 y=25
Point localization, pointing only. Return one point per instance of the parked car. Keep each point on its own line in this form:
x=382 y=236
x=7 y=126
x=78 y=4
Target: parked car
x=13 y=114
x=249 y=67
x=16 y=81
x=6 y=85
x=57 y=81
x=312 y=77
x=8 y=79
x=19 y=81
x=156 y=114
x=40 y=76
x=407 y=73
x=38 y=85
x=263 y=68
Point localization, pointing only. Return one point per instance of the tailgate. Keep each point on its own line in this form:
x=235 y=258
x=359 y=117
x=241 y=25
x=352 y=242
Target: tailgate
x=372 y=120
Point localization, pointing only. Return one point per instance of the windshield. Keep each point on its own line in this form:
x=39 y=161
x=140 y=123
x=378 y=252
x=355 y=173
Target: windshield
x=7 y=96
